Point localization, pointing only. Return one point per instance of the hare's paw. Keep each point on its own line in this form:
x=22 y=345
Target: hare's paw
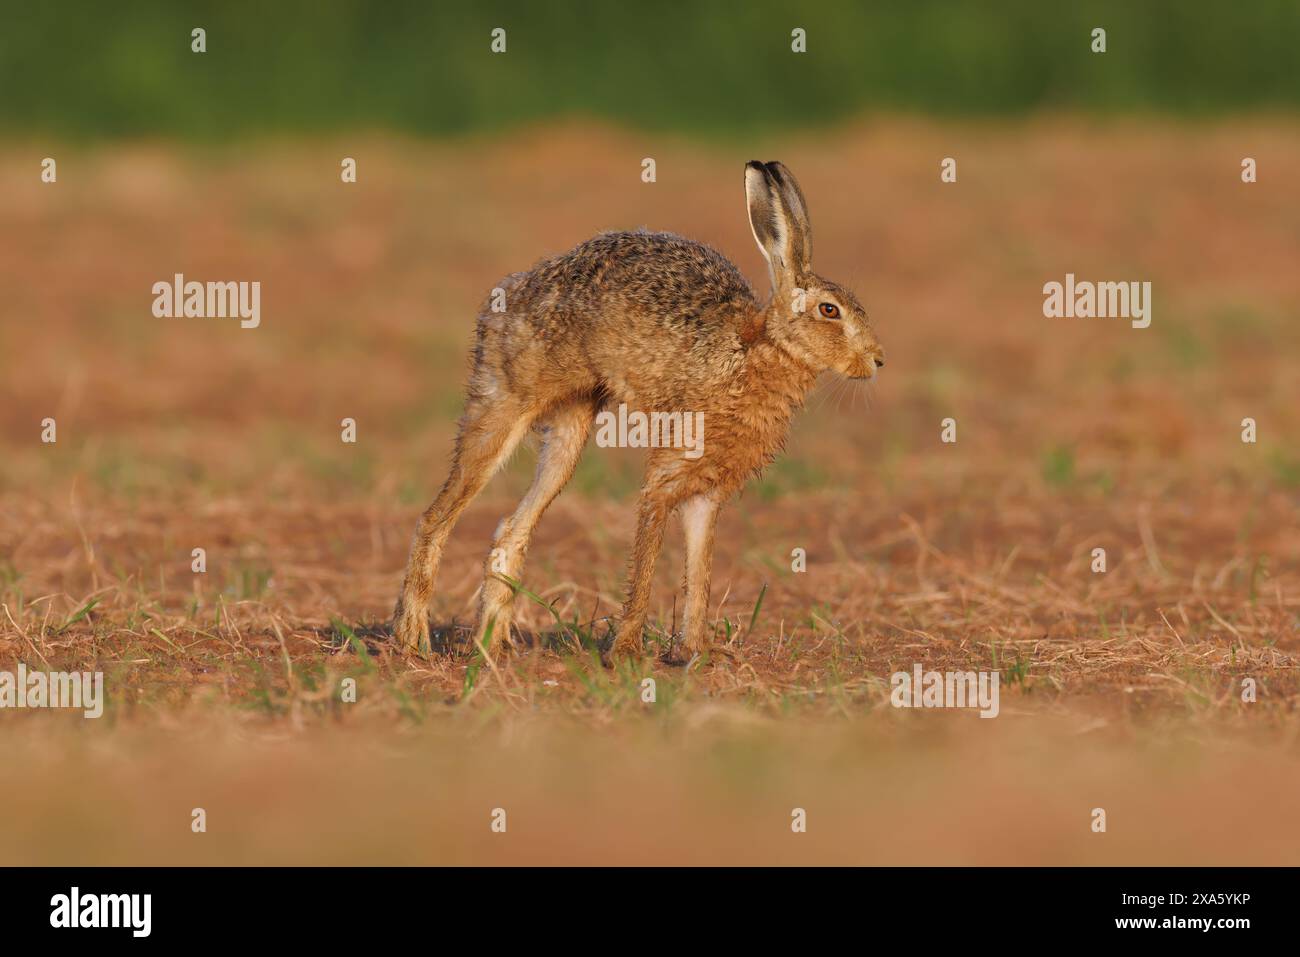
x=682 y=650
x=499 y=642
x=627 y=645
x=411 y=631
x=676 y=652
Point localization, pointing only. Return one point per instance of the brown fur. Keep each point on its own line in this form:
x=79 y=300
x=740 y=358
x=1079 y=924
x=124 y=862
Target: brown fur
x=663 y=324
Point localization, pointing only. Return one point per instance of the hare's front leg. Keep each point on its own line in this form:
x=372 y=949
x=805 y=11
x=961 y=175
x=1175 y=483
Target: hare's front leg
x=652 y=515
x=699 y=519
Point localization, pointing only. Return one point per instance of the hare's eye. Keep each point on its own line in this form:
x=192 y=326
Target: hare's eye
x=829 y=310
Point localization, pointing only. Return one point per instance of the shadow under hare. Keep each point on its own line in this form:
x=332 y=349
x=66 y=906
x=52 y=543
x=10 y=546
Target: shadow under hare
x=660 y=324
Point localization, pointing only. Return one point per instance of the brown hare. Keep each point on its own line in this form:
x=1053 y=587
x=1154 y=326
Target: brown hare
x=661 y=324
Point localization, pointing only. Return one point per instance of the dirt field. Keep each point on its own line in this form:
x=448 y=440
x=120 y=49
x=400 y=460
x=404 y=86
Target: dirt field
x=1120 y=690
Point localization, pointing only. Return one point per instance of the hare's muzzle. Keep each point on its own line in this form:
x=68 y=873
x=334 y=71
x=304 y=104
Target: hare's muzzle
x=869 y=364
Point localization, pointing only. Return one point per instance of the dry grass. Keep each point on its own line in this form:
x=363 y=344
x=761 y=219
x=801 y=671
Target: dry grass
x=1120 y=689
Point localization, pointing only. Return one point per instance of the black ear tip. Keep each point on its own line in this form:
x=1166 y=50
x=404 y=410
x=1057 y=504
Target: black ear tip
x=756 y=165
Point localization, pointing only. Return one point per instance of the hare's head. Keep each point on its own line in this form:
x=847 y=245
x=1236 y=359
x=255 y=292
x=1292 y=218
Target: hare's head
x=817 y=321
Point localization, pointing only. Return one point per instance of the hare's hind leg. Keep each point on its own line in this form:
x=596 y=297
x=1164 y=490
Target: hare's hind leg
x=564 y=433
x=489 y=431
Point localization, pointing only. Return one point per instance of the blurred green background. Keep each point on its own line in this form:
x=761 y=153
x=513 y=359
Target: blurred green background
x=98 y=69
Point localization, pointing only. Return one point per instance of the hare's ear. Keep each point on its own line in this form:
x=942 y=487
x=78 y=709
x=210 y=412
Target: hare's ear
x=779 y=234
x=797 y=211
x=769 y=223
